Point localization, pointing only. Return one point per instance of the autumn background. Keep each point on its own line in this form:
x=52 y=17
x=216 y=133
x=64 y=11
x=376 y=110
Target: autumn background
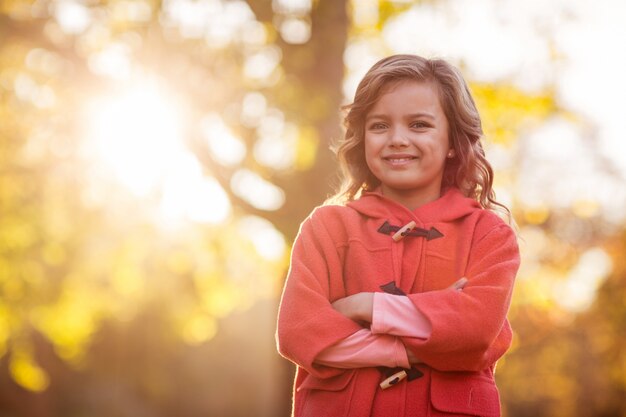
x=157 y=157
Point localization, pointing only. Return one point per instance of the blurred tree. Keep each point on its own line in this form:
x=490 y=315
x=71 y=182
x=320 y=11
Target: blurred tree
x=76 y=271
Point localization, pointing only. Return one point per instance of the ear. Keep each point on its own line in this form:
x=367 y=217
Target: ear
x=451 y=153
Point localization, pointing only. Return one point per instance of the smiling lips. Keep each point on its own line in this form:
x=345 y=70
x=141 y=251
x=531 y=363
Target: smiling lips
x=399 y=159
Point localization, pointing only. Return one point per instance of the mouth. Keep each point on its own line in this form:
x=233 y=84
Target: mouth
x=399 y=159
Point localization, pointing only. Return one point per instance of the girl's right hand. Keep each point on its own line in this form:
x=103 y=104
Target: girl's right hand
x=412 y=358
x=459 y=285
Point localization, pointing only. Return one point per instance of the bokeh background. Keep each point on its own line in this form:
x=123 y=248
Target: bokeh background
x=157 y=157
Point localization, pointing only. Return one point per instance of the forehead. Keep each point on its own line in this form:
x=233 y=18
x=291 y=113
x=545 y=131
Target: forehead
x=408 y=95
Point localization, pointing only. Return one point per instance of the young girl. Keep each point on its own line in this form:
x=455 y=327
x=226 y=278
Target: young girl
x=396 y=299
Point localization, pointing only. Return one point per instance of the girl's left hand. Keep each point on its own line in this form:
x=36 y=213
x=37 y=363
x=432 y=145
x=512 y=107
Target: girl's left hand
x=357 y=307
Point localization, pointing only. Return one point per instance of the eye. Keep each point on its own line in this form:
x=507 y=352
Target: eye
x=418 y=124
x=377 y=126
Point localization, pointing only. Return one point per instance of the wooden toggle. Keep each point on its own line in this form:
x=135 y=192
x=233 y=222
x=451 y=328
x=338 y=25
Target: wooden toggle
x=393 y=379
x=403 y=231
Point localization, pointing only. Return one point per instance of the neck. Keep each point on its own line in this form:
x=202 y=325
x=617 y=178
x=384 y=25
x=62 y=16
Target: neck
x=410 y=198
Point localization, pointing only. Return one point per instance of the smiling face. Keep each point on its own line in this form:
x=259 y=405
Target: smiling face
x=406 y=142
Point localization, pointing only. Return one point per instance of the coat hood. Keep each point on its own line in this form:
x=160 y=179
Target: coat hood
x=450 y=206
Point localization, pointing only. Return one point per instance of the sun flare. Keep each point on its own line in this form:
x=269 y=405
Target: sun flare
x=136 y=138
x=134 y=135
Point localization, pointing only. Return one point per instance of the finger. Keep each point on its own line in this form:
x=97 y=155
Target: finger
x=337 y=305
x=460 y=284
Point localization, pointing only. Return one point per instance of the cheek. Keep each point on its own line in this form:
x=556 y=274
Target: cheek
x=371 y=151
x=439 y=151
x=438 y=160
x=439 y=147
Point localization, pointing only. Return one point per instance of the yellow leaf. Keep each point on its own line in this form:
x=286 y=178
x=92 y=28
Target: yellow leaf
x=306 y=150
x=5 y=329
x=53 y=253
x=585 y=208
x=69 y=324
x=536 y=215
x=199 y=328
x=179 y=262
x=26 y=372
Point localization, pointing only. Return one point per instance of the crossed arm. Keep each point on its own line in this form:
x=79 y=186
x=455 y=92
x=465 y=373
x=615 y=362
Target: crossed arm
x=370 y=346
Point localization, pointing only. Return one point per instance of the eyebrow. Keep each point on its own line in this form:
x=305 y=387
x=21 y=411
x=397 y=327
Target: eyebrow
x=409 y=116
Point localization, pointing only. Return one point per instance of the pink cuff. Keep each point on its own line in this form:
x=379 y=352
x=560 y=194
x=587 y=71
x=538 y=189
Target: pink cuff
x=396 y=315
x=364 y=349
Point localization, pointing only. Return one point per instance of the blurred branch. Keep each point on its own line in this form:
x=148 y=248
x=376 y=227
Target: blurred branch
x=223 y=176
x=262 y=9
x=32 y=32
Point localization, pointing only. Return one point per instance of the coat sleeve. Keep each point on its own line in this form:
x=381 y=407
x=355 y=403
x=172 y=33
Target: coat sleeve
x=364 y=349
x=307 y=323
x=469 y=328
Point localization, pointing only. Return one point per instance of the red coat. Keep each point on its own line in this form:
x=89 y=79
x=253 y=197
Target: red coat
x=339 y=251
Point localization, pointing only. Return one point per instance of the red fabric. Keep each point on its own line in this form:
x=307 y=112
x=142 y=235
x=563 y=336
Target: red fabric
x=339 y=252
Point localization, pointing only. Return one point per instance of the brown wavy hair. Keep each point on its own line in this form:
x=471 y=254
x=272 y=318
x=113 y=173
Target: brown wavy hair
x=468 y=170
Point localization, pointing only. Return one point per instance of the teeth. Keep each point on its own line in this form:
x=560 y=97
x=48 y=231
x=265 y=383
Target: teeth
x=399 y=159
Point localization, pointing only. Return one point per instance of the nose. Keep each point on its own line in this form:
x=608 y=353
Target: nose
x=398 y=138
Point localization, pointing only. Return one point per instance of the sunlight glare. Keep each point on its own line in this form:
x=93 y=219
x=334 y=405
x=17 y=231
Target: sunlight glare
x=136 y=138
x=267 y=241
x=72 y=16
x=295 y=31
x=258 y=192
x=28 y=90
x=201 y=199
x=292 y=7
x=254 y=107
x=113 y=61
x=223 y=144
x=135 y=135
x=262 y=64
x=578 y=292
x=277 y=141
x=218 y=22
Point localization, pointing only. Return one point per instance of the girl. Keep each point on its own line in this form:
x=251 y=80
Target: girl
x=396 y=299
